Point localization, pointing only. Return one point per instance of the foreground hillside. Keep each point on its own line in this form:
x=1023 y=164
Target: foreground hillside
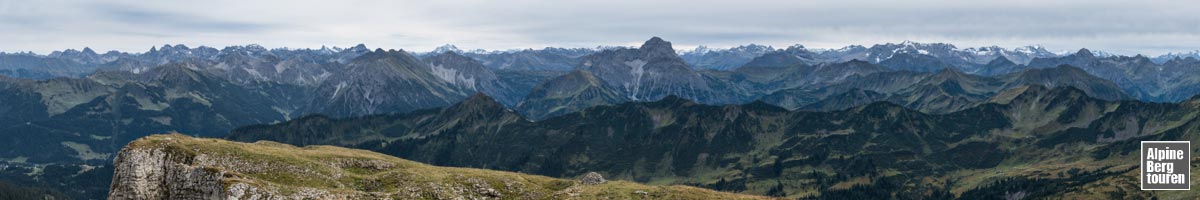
x=180 y=167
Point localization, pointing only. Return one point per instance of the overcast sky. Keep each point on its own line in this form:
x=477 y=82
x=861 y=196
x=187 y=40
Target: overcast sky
x=1124 y=27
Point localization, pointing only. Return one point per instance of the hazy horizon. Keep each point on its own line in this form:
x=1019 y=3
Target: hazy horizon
x=1125 y=28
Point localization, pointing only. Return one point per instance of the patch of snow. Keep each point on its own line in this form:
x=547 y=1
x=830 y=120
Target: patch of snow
x=700 y=50
x=1025 y=49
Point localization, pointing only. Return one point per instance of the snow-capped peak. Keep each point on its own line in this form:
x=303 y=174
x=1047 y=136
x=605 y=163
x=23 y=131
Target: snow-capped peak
x=698 y=50
x=446 y=48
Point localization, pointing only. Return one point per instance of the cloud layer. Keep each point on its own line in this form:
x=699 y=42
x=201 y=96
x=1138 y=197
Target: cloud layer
x=1125 y=27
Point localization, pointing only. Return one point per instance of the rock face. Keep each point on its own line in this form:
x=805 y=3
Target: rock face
x=154 y=173
x=384 y=82
x=150 y=174
x=470 y=75
x=180 y=167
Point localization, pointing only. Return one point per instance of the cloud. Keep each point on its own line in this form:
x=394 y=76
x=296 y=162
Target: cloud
x=1127 y=27
x=180 y=22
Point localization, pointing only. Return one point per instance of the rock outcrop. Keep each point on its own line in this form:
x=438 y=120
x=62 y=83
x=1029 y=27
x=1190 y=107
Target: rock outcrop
x=592 y=178
x=151 y=174
x=180 y=167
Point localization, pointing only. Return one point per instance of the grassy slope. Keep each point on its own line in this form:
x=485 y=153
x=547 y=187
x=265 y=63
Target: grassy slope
x=356 y=172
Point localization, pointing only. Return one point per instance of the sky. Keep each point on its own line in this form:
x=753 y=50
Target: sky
x=1122 y=27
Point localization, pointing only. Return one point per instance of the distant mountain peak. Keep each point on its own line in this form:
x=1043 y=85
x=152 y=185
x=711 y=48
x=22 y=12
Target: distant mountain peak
x=657 y=45
x=1000 y=60
x=746 y=48
x=359 y=47
x=446 y=48
x=918 y=45
x=1033 y=91
x=177 y=72
x=479 y=104
x=1068 y=75
x=451 y=55
x=753 y=48
x=1085 y=52
x=174 y=48
x=699 y=50
x=795 y=47
x=952 y=75
x=655 y=40
x=380 y=53
x=1008 y=95
x=1181 y=60
x=1034 y=50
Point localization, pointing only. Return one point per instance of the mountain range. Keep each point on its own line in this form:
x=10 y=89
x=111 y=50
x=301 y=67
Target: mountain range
x=713 y=118
x=1023 y=132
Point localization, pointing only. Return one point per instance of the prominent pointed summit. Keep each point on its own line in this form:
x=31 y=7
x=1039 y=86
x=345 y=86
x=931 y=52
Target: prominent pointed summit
x=1085 y=52
x=657 y=46
x=446 y=48
x=655 y=41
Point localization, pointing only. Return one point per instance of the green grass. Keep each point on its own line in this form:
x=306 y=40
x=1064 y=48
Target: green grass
x=288 y=169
